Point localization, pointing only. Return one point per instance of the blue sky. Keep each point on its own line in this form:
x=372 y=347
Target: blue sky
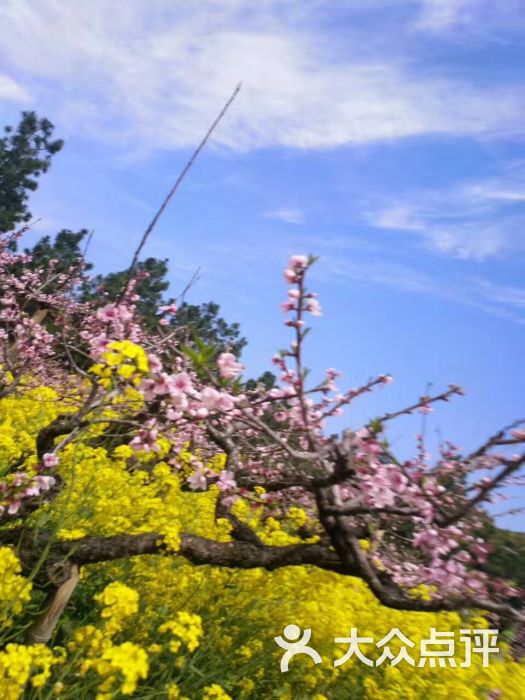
x=385 y=136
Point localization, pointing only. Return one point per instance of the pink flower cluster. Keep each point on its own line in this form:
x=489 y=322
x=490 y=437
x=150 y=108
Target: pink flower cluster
x=299 y=299
x=19 y=487
x=183 y=397
x=109 y=323
x=228 y=366
x=424 y=518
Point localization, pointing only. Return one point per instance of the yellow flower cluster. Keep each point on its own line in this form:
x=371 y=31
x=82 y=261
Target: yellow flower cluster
x=103 y=496
x=21 y=417
x=219 y=623
x=20 y=664
x=123 y=664
x=122 y=359
x=215 y=692
x=120 y=602
x=173 y=692
x=15 y=591
x=273 y=531
x=119 y=666
x=128 y=659
x=187 y=630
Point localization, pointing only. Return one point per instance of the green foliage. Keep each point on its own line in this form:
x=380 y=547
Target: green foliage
x=267 y=379
x=507 y=558
x=150 y=287
x=65 y=248
x=25 y=153
x=204 y=323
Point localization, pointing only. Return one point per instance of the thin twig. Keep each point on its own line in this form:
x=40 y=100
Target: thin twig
x=193 y=280
x=174 y=189
x=88 y=243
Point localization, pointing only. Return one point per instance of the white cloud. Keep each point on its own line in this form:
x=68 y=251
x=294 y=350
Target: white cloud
x=471 y=221
x=470 y=16
x=289 y=216
x=503 y=294
x=11 y=90
x=488 y=297
x=438 y=15
x=391 y=274
x=492 y=191
x=153 y=74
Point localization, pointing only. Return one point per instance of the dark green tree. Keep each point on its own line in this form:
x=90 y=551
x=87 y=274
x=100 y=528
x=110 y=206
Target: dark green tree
x=66 y=248
x=267 y=379
x=25 y=153
x=204 y=323
x=150 y=287
x=507 y=558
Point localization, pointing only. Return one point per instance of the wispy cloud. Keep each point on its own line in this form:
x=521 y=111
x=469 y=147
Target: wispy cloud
x=489 y=297
x=472 y=16
x=291 y=215
x=363 y=268
x=439 y=15
x=507 y=295
x=11 y=90
x=498 y=192
x=155 y=72
x=473 y=221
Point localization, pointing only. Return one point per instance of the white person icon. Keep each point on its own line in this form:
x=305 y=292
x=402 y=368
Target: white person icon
x=294 y=644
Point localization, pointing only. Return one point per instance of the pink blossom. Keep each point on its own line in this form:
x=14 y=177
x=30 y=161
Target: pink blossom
x=108 y=313
x=229 y=368
x=99 y=344
x=146 y=440
x=14 y=507
x=32 y=491
x=197 y=480
x=209 y=397
x=179 y=400
x=278 y=360
x=290 y=276
x=224 y=403
x=397 y=479
x=112 y=312
x=226 y=481
x=181 y=381
x=314 y=307
x=147 y=388
x=44 y=482
x=287 y=306
x=50 y=459
x=298 y=262
x=125 y=313
x=332 y=373
x=162 y=384
x=154 y=362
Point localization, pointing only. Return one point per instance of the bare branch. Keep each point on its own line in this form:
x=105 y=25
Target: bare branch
x=174 y=189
